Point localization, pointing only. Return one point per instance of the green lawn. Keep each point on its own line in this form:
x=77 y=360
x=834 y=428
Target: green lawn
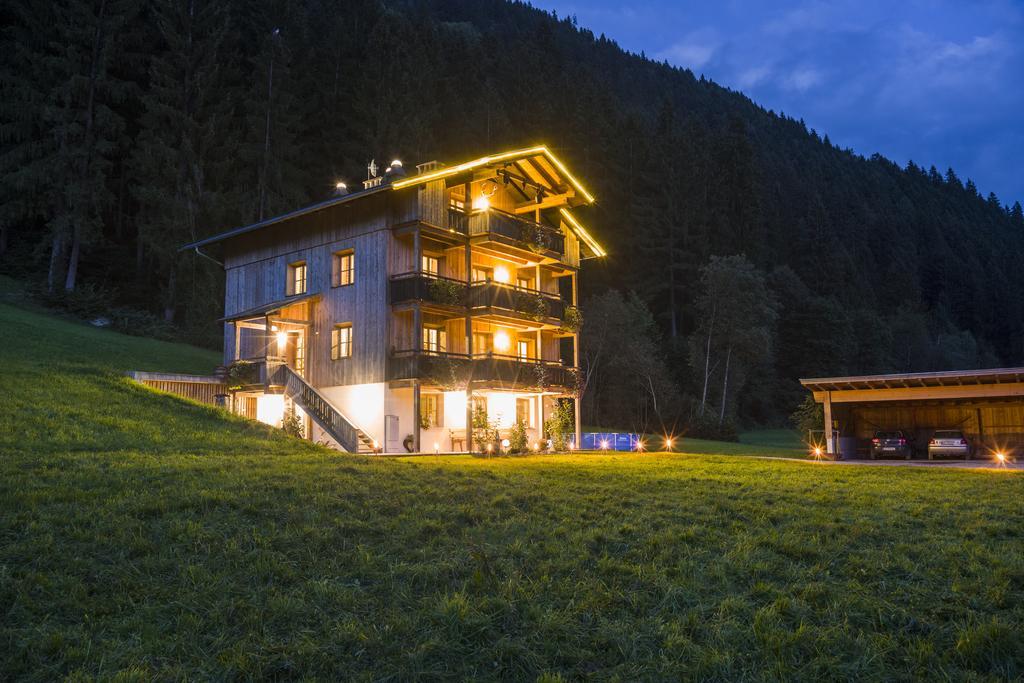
x=143 y=537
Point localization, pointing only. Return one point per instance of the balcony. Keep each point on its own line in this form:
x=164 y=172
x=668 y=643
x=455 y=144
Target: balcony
x=453 y=370
x=506 y=228
x=529 y=303
x=417 y=286
x=448 y=292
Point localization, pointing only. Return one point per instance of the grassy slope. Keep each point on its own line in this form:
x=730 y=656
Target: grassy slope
x=155 y=538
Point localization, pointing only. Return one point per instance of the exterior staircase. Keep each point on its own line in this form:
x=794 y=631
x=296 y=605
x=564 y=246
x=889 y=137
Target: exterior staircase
x=346 y=434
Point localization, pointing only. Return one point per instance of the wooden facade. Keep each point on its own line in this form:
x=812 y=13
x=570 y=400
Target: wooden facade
x=484 y=256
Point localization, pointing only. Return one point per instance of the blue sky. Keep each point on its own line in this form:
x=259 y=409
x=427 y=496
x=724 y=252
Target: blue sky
x=940 y=82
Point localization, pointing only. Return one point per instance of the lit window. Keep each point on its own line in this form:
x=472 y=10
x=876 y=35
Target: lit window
x=343 y=268
x=523 y=349
x=524 y=411
x=434 y=339
x=300 y=353
x=430 y=410
x=523 y=282
x=481 y=274
x=341 y=341
x=431 y=265
x=297 y=278
x=481 y=342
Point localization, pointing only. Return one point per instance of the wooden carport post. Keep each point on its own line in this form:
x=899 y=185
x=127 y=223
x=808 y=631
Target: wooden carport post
x=829 y=445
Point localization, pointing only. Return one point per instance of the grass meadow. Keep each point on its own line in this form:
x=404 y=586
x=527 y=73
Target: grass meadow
x=143 y=537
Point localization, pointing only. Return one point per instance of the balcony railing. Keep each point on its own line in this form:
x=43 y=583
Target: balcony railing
x=531 y=303
x=445 y=291
x=528 y=234
x=453 y=370
x=417 y=286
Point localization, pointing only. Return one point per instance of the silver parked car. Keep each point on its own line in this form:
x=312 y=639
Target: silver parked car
x=949 y=443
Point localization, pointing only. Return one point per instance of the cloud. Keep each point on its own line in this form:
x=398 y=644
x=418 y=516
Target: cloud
x=803 y=79
x=694 y=50
x=749 y=78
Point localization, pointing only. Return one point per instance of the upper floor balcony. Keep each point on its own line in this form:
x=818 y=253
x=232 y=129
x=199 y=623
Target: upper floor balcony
x=454 y=370
x=508 y=229
x=483 y=297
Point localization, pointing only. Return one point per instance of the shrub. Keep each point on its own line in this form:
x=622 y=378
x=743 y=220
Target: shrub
x=707 y=426
x=517 y=441
x=560 y=425
x=809 y=416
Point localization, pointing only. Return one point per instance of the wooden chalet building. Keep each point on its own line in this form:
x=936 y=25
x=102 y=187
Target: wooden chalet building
x=390 y=313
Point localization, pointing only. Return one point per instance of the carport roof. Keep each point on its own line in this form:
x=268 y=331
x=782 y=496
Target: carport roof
x=951 y=378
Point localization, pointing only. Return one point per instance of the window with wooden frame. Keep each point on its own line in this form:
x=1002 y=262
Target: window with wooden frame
x=343 y=268
x=296 y=278
x=524 y=411
x=482 y=342
x=430 y=265
x=524 y=283
x=523 y=349
x=435 y=339
x=341 y=341
x=432 y=410
x=300 y=353
x=481 y=274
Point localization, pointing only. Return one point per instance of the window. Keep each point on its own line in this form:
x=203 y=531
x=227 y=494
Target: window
x=430 y=265
x=479 y=405
x=343 y=268
x=431 y=409
x=523 y=349
x=524 y=411
x=481 y=274
x=481 y=342
x=300 y=353
x=341 y=341
x=297 y=278
x=524 y=283
x=435 y=339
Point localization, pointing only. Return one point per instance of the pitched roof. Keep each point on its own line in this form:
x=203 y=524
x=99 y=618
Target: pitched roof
x=538 y=163
x=916 y=379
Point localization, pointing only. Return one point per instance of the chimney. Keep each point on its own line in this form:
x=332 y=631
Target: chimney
x=428 y=167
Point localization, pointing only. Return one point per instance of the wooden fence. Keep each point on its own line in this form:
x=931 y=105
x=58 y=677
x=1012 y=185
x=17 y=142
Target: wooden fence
x=202 y=388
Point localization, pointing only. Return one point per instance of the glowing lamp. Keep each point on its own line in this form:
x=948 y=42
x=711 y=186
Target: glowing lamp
x=536 y=446
x=501 y=274
x=437 y=448
x=668 y=442
x=481 y=203
x=817 y=451
x=604 y=444
x=1000 y=456
x=282 y=340
x=639 y=444
x=490 y=448
x=502 y=342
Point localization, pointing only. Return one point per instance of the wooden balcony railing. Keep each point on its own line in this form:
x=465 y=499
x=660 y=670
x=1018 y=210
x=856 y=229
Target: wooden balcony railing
x=453 y=370
x=418 y=286
x=530 y=303
x=526 y=233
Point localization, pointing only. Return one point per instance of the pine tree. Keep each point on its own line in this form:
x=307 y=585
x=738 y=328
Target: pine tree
x=185 y=126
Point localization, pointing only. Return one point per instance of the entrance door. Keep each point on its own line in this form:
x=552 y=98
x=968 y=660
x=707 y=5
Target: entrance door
x=392 y=440
x=296 y=351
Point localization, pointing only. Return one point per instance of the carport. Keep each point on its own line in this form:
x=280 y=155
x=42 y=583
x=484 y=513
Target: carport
x=986 y=405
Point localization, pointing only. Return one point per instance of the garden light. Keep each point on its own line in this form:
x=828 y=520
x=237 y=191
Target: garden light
x=668 y=443
x=437 y=448
x=604 y=444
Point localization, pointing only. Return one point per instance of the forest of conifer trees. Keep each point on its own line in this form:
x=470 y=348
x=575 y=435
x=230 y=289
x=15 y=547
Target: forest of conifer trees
x=128 y=128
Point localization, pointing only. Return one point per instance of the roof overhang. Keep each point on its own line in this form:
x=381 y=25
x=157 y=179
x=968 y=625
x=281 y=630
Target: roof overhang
x=954 y=384
x=264 y=310
x=538 y=164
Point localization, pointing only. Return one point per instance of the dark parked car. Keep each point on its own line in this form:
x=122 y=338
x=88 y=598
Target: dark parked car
x=949 y=442
x=894 y=444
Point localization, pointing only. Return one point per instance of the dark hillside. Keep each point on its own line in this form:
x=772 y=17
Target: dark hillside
x=876 y=268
